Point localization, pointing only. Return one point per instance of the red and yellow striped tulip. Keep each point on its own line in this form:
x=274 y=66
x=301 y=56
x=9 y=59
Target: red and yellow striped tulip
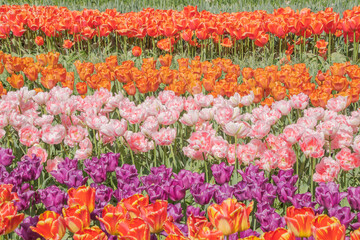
x=84 y=196
x=134 y=229
x=6 y=195
x=325 y=227
x=201 y=228
x=133 y=203
x=111 y=216
x=299 y=220
x=155 y=215
x=355 y=235
x=250 y=238
x=76 y=218
x=51 y=226
x=93 y=233
x=230 y=216
x=9 y=218
x=279 y=234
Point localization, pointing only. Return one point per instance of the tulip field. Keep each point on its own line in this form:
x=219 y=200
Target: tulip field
x=180 y=120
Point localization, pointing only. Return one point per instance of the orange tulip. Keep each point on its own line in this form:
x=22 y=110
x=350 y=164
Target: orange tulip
x=355 y=235
x=136 y=51
x=16 y=81
x=134 y=229
x=31 y=72
x=51 y=226
x=83 y=196
x=134 y=203
x=230 y=216
x=321 y=44
x=111 y=216
x=81 y=88
x=9 y=218
x=200 y=228
x=93 y=233
x=6 y=195
x=155 y=215
x=175 y=237
x=67 y=44
x=76 y=218
x=165 y=60
x=325 y=227
x=1 y=88
x=39 y=41
x=299 y=220
x=279 y=234
x=130 y=88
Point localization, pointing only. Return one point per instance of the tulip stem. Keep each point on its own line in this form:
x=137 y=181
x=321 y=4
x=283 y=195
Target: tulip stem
x=158 y=236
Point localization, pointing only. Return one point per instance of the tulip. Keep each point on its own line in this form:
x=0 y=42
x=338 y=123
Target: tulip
x=81 y=88
x=355 y=235
x=39 y=41
x=67 y=44
x=93 y=233
x=82 y=196
x=50 y=226
x=9 y=218
x=136 y=51
x=325 y=227
x=230 y=216
x=250 y=238
x=134 y=229
x=111 y=216
x=6 y=195
x=279 y=234
x=134 y=203
x=200 y=228
x=155 y=215
x=76 y=218
x=299 y=220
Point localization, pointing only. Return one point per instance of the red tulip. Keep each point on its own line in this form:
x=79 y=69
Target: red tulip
x=230 y=216
x=136 y=51
x=39 y=41
x=279 y=234
x=51 y=226
x=155 y=215
x=6 y=195
x=9 y=218
x=355 y=235
x=82 y=196
x=67 y=44
x=76 y=218
x=134 y=229
x=93 y=233
x=299 y=220
x=111 y=216
x=325 y=227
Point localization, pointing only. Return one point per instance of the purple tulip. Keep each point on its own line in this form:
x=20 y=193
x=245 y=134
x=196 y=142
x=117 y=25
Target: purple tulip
x=223 y=192
x=285 y=176
x=189 y=178
x=68 y=164
x=356 y=225
x=176 y=190
x=53 y=198
x=175 y=211
x=24 y=230
x=111 y=160
x=269 y=220
x=242 y=191
x=4 y=175
x=196 y=212
x=344 y=214
x=96 y=169
x=354 y=197
x=202 y=193
x=126 y=191
x=156 y=192
x=253 y=175
x=162 y=171
x=102 y=193
x=29 y=167
x=302 y=200
x=6 y=156
x=328 y=195
x=127 y=174
x=222 y=173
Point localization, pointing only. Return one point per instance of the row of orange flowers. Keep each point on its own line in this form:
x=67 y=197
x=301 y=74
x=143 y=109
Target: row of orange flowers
x=217 y=77
x=53 y=21
x=135 y=218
